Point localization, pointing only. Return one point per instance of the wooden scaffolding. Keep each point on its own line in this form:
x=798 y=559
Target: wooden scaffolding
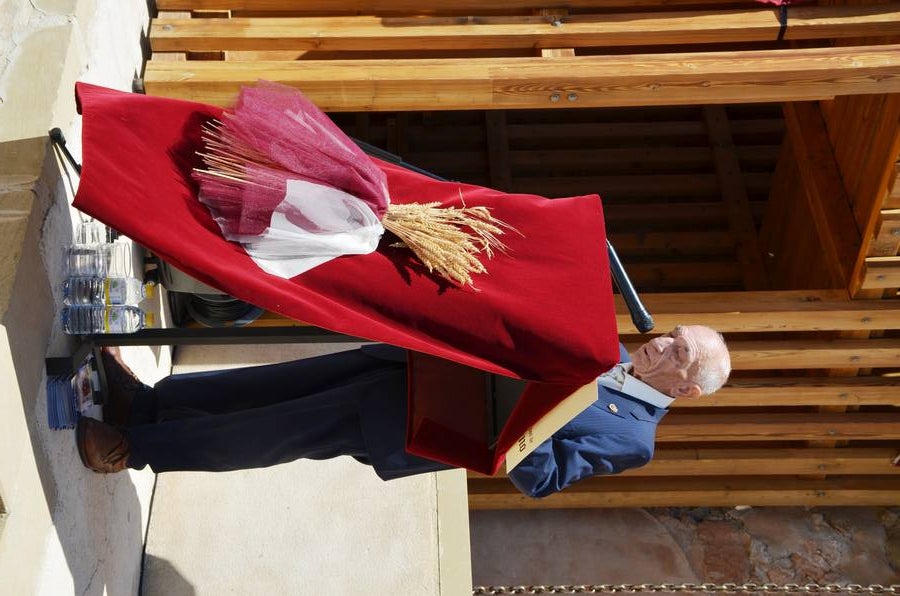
x=747 y=157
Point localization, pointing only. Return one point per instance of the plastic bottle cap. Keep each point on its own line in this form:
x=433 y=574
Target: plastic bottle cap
x=148 y=319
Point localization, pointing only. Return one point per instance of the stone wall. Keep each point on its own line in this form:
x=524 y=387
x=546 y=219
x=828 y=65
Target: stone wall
x=760 y=545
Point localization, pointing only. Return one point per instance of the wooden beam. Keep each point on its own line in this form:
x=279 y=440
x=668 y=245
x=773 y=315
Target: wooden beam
x=776 y=392
x=688 y=242
x=810 y=353
x=552 y=31
x=582 y=81
x=556 y=18
x=741 y=312
x=637 y=159
x=881 y=272
x=677 y=130
x=837 y=233
x=665 y=216
x=681 y=426
x=734 y=196
x=174 y=55
x=413 y=6
x=619 y=186
x=892 y=201
x=734 y=461
x=630 y=188
x=870 y=194
x=787 y=237
x=886 y=236
x=623 y=491
x=498 y=157
x=663 y=276
x=769 y=462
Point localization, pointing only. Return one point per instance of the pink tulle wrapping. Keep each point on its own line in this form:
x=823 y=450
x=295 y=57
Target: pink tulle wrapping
x=289 y=130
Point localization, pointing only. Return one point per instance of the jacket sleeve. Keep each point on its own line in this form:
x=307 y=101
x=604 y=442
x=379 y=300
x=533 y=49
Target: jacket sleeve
x=560 y=462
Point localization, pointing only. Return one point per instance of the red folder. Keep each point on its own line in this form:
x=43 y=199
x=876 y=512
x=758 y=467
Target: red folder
x=448 y=417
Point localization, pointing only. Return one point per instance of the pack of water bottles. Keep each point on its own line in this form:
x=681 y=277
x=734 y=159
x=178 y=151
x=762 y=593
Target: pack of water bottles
x=71 y=396
x=101 y=292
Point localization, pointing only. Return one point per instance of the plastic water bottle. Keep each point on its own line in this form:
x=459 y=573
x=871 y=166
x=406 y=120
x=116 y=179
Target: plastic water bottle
x=97 y=260
x=87 y=260
x=94 y=232
x=105 y=290
x=93 y=320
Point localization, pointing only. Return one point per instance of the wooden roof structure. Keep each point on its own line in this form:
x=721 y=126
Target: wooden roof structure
x=747 y=156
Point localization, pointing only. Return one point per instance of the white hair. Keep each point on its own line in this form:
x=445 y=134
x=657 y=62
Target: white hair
x=713 y=372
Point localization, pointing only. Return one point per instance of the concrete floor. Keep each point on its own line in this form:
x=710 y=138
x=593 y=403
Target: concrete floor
x=307 y=527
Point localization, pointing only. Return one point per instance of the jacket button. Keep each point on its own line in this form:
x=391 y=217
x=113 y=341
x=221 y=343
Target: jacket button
x=613 y=408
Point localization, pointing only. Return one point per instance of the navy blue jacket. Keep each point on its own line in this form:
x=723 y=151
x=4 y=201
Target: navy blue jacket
x=601 y=440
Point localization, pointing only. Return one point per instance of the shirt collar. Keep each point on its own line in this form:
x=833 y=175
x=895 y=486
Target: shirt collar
x=641 y=391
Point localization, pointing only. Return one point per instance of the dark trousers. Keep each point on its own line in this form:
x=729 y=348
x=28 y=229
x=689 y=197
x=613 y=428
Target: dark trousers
x=264 y=415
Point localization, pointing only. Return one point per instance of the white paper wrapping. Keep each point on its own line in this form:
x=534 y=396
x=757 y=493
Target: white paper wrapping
x=311 y=226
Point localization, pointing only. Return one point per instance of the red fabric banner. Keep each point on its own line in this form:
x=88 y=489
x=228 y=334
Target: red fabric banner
x=543 y=312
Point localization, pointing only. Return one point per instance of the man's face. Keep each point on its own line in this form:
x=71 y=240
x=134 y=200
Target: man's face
x=670 y=363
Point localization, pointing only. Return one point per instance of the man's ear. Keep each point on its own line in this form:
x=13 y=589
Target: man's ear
x=688 y=390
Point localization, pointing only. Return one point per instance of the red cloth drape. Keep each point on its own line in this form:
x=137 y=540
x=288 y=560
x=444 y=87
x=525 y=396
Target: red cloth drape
x=544 y=312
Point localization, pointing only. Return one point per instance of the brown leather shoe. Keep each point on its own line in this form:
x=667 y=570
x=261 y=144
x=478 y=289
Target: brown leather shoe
x=122 y=385
x=102 y=447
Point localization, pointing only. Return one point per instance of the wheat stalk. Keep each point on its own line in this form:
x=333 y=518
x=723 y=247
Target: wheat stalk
x=447 y=240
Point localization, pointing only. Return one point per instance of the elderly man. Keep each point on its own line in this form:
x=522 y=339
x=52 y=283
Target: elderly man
x=354 y=403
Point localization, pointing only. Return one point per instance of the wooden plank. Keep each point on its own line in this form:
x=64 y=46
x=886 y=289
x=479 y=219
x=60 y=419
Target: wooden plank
x=657 y=158
x=175 y=56
x=779 y=392
x=684 y=243
x=663 y=216
x=685 y=276
x=618 y=188
x=623 y=491
x=681 y=426
x=742 y=312
x=892 y=201
x=886 y=241
x=788 y=239
x=621 y=186
x=734 y=196
x=837 y=234
x=590 y=81
x=413 y=6
x=869 y=196
x=881 y=272
x=557 y=33
x=876 y=154
x=810 y=353
x=673 y=462
x=852 y=135
x=680 y=131
x=498 y=157
x=555 y=17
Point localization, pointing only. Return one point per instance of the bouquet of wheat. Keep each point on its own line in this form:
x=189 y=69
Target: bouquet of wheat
x=283 y=180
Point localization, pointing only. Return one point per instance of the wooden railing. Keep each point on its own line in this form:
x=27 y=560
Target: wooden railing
x=465 y=56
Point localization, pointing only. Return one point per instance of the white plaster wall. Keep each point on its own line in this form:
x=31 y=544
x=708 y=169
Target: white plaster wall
x=46 y=45
x=68 y=531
